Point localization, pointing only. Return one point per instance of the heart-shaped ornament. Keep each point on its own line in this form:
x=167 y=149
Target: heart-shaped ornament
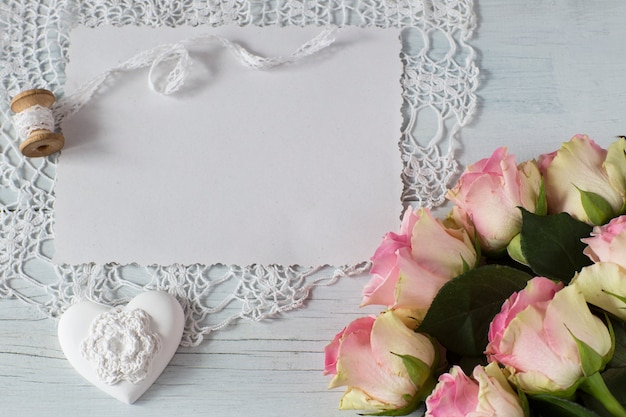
x=122 y=351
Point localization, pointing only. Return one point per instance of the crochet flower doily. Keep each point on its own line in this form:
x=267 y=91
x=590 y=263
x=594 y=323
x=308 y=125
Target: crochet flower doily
x=34 y=39
x=121 y=346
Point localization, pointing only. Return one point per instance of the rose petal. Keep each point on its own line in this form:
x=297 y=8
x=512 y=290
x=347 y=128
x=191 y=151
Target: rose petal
x=538 y=292
x=390 y=335
x=597 y=282
x=567 y=315
x=417 y=287
x=455 y=395
x=381 y=289
x=530 y=180
x=356 y=399
x=545 y=160
x=578 y=165
x=614 y=164
x=495 y=395
x=535 y=365
x=440 y=251
x=409 y=219
x=358 y=367
x=608 y=243
x=331 y=353
x=494 y=215
x=493 y=164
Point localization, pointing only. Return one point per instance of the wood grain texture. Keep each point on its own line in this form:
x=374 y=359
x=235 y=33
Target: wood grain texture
x=271 y=368
x=548 y=70
x=274 y=368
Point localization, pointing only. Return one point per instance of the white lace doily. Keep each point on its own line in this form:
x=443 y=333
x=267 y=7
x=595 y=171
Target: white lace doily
x=439 y=83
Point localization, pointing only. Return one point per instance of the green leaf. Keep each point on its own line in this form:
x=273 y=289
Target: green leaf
x=514 y=249
x=619 y=354
x=597 y=208
x=524 y=400
x=417 y=369
x=619 y=297
x=551 y=406
x=551 y=244
x=609 y=324
x=460 y=314
x=590 y=360
x=466 y=266
x=542 y=202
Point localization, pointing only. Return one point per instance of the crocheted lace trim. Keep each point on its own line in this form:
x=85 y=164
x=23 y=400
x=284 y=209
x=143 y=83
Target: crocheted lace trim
x=439 y=82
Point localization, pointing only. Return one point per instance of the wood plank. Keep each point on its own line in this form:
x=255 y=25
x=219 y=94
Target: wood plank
x=269 y=368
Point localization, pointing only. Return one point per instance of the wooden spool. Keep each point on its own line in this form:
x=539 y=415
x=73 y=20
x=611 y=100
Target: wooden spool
x=41 y=142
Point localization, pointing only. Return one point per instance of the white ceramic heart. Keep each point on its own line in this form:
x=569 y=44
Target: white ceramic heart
x=167 y=320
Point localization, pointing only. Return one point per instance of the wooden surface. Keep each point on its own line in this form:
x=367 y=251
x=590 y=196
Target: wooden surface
x=261 y=369
x=274 y=368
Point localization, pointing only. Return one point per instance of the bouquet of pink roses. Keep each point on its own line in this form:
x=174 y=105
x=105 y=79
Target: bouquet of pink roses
x=513 y=305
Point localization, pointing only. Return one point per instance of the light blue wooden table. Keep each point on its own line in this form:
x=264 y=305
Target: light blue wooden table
x=270 y=368
x=549 y=70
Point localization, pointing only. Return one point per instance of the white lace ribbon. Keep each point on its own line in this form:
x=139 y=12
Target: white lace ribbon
x=33 y=118
x=176 y=77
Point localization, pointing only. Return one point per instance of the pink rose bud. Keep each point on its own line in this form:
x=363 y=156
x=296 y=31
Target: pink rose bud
x=490 y=193
x=364 y=358
x=488 y=394
x=608 y=243
x=534 y=336
x=581 y=166
x=410 y=267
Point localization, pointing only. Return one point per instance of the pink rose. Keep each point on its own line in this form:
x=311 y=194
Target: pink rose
x=608 y=243
x=385 y=270
x=488 y=394
x=490 y=193
x=580 y=165
x=363 y=357
x=410 y=267
x=534 y=336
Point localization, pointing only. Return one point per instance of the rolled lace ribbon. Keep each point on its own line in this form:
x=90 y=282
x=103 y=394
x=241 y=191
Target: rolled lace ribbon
x=32 y=119
x=35 y=122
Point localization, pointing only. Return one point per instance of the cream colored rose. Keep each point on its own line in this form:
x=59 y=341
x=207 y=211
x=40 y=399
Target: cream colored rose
x=581 y=166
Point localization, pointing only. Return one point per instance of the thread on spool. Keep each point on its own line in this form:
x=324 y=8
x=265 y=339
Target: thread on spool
x=33 y=118
x=35 y=121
